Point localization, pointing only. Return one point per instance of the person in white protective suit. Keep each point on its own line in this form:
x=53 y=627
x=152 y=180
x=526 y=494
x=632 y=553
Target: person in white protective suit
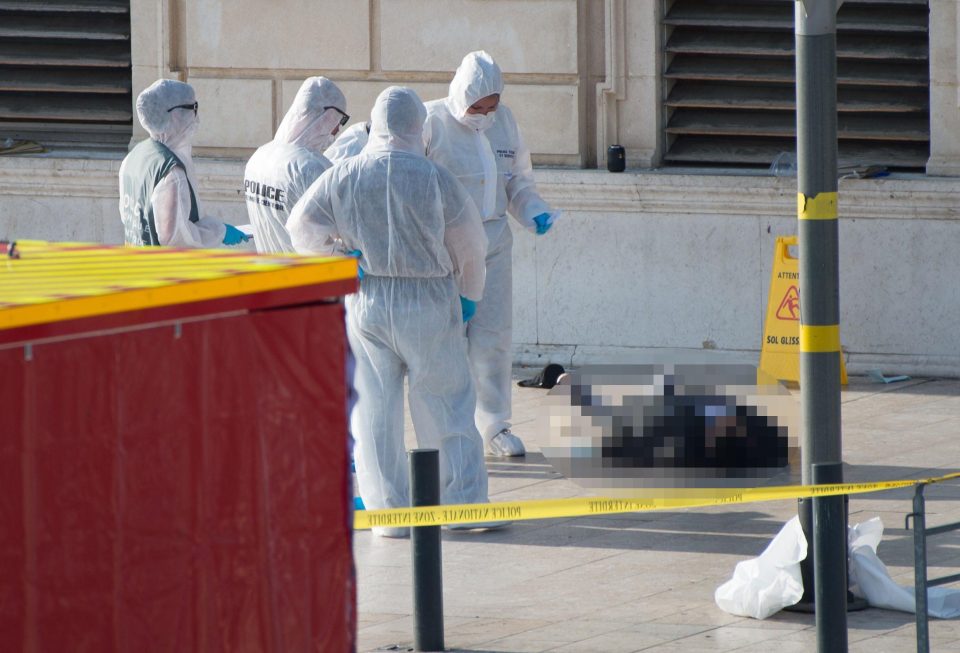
x=158 y=187
x=420 y=244
x=280 y=172
x=474 y=135
x=349 y=143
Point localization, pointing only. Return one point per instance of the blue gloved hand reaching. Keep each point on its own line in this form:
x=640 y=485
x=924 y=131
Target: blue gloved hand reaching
x=543 y=223
x=357 y=254
x=468 y=307
x=234 y=236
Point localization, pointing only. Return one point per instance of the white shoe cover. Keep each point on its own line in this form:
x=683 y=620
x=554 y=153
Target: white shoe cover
x=505 y=444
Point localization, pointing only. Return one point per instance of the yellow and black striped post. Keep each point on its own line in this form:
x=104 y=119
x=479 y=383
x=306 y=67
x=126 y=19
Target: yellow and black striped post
x=816 y=66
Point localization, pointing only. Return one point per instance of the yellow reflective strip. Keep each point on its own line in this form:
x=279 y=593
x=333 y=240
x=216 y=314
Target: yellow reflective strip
x=821 y=207
x=819 y=338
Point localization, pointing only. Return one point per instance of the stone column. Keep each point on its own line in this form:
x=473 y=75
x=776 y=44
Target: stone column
x=154 y=48
x=639 y=113
x=944 y=90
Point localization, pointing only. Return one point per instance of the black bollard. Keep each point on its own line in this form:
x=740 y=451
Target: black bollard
x=920 y=569
x=425 y=544
x=808 y=602
x=830 y=562
x=805 y=512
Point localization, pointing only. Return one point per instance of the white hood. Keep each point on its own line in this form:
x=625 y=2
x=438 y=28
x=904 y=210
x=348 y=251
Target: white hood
x=175 y=128
x=396 y=122
x=477 y=77
x=307 y=124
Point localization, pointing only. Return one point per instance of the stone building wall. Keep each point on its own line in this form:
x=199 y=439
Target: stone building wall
x=247 y=61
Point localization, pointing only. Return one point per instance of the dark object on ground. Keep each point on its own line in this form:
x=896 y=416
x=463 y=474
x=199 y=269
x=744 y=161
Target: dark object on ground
x=547 y=378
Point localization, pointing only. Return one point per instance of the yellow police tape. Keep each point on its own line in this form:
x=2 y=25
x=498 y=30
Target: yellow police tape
x=660 y=499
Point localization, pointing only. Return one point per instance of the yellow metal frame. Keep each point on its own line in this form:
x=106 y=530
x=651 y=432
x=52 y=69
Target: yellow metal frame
x=52 y=282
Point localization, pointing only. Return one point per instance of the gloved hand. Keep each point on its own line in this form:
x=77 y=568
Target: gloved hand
x=234 y=236
x=357 y=254
x=468 y=307
x=543 y=223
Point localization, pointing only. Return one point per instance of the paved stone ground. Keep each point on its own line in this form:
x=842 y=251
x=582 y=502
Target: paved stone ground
x=645 y=581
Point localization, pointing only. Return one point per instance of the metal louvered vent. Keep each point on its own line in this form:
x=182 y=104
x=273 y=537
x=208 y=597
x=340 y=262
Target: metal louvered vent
x=729 y=82
x=65 y=72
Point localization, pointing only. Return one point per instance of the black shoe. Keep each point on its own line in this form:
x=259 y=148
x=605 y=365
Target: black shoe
x=547 y=378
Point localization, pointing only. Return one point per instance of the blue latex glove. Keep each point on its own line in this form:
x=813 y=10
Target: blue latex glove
x=543 y=223
x=356 y=253
x=468 y=307
x=234 y=236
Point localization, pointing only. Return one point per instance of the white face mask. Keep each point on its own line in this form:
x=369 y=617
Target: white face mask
x=478 y=121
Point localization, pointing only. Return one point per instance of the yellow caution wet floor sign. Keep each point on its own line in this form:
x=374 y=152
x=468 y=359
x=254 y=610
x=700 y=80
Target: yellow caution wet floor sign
x=780 y=351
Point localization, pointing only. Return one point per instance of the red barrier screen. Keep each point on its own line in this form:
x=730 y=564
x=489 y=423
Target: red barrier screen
x=178 y=488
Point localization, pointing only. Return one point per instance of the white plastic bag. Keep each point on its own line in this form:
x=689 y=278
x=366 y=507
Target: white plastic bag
x=765 y=585
x=870 y=579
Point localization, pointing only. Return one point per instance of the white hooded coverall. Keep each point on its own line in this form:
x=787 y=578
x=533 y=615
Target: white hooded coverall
x=174 y=128
x=422 y=244
x=280 y=172
x=493 y=164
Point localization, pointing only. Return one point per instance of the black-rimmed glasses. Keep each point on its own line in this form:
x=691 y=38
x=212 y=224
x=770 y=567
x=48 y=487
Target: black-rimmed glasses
x=344 y=118
x=193 y=107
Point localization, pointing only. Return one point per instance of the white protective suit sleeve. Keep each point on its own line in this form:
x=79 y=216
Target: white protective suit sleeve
x=463 y=236
x=302 y=176
x=523 y=200
x=171 y=212
x=312 y=227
